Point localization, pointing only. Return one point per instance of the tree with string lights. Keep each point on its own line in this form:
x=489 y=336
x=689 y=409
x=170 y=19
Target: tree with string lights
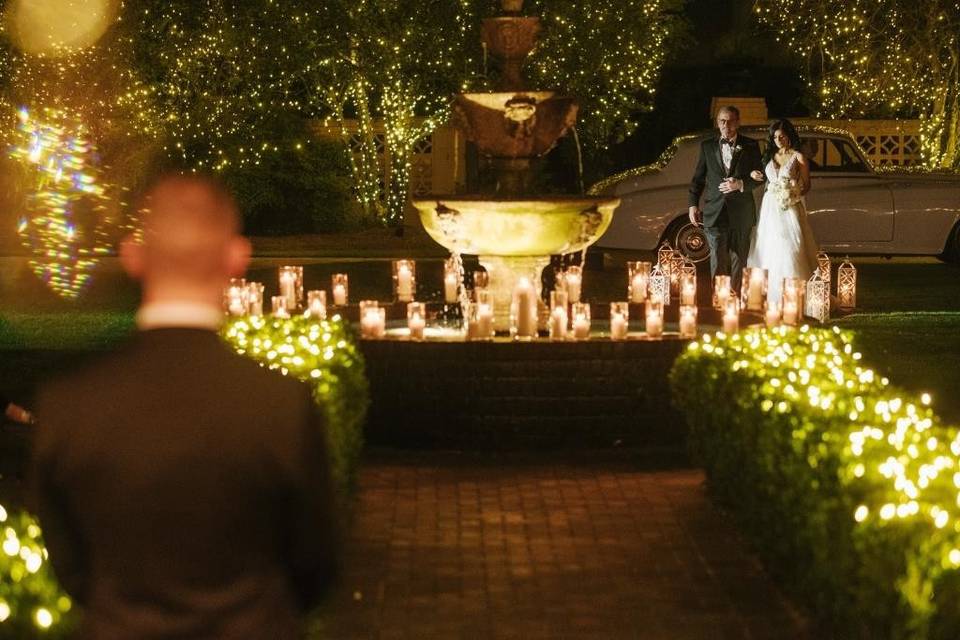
x=880 y=58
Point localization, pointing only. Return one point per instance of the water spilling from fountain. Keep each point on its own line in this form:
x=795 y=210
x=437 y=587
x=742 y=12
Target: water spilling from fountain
x=512 y=230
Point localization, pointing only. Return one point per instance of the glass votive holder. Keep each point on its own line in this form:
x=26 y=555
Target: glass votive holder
x=791 y=300
x=451 y=281
x=416 y=319
x=654 y=318
x=638 y=281
x=688 y=321
x=373 y=319
x=485 y=328
x=722 y=291
x=404 y=280
x=619 y=320
x=581 y=320
x=279 y=307
x=573 y=282
x=291 y=286
x=771 y=317
x=731 y=315
x=481 y=280
x=317 y=304
x=688 y=288
x=523 y=310
x=340 y=289
x=236 y=297
x=753 y=290
x=255 y=299
x=558 y=315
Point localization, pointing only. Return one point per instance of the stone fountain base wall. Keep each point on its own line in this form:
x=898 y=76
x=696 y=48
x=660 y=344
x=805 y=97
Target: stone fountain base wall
x=503 y=395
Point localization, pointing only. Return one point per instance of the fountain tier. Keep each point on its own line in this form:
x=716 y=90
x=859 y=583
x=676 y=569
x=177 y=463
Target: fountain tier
x=514 y=238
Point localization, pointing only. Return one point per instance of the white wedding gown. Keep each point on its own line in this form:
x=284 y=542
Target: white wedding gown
x=783 y=242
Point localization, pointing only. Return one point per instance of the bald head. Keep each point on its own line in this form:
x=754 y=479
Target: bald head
x=190 y=239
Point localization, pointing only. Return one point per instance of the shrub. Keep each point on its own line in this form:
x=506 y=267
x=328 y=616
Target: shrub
x=323 y=354
x=847 y=487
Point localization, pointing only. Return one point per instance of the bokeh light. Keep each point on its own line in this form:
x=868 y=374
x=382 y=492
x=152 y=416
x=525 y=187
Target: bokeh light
x=58 y=27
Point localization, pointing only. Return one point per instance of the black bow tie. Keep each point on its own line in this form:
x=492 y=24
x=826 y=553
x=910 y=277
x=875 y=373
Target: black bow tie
x=725 y=141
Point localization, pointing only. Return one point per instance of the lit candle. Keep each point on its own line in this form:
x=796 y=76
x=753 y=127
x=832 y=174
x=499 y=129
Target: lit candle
x=619 y=320
x=237 y=305
x=581 y=321
x=484 y=320
x=404 y=279
x=372 y=320
x=772 y=316
x=317 y=304
x=789 y=312
x=721 y=292
x=416 y=319
x=525 y=318
x=638 y=288
x=340 y=286
x=654 y=318
x=451 y=287
x=688 y=321
x=280 y=307
x=558 y=323
x=731 y=316
x=756 y=279
x=688 y=289
x=574 y=281
x=288 y=286
x=255 y=299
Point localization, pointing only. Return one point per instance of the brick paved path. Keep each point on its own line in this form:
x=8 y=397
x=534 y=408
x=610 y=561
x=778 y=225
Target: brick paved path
x=448 y=546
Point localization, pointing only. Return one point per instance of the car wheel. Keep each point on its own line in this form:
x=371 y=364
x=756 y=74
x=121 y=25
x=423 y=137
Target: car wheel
x=951 y=253
x=689 y=239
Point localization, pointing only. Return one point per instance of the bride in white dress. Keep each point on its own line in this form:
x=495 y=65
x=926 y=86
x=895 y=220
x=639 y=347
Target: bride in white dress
x=783 y=242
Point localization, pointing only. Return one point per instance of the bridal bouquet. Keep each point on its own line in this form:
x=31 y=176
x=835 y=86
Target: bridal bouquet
x=786 y=191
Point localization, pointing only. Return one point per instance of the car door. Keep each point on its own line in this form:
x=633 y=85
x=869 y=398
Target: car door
x=849 y=205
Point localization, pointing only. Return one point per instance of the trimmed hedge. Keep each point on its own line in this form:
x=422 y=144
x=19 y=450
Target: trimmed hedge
x=323 y=354
x=847 y=486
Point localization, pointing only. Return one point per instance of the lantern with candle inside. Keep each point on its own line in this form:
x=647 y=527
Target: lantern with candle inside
x=451 y=281
x=573 y=282
x=791 y=302
x=340 y=289
x=665 y=258
x=721 y=292
x=416 y=319
x=688 y=321
x=280 y=307
x=291 y=286
x=688 y=287
x=654 y=317
x=731 y=315
x=481 y=281
x=580 y=314
x=558 y=315
x=753 y=291
x=619 y=320
x=824 y=266
x=638 y=279
x=659 y=285
x=523 y=310
x=484 y=314
x=771 y=317
x=255 y=299
x=373 y=319
x=404 y=280
x=818 y=298
x=847 y=285
x=236 y=297
x=317 y=304
x=678 y=263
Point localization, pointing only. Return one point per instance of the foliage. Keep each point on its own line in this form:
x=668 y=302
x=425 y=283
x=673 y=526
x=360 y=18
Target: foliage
x=880 y=58
x=31 y=601
x=848 y=486
x=323 y=354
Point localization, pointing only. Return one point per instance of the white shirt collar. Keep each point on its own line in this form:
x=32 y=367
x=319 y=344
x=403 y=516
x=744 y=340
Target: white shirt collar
x=186 y=315
x=733 y=140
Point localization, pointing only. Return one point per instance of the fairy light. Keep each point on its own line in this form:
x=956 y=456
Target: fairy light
x=866 y=59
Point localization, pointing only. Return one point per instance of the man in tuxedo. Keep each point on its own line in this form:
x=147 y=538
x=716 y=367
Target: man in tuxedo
x=182 y=489
x=729 y=212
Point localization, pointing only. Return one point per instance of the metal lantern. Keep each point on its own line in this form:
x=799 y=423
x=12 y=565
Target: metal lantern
x=847 y=285
x=818 y=298
x=659 y=285
x=678 y=263
x=824 y=267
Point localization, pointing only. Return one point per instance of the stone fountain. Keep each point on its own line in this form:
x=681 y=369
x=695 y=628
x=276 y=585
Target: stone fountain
x=513 y=232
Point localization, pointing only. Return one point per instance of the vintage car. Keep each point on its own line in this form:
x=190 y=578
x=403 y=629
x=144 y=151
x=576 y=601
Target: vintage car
x=854 y=208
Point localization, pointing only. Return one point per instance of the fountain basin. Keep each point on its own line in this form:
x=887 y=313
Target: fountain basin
x=514 y=239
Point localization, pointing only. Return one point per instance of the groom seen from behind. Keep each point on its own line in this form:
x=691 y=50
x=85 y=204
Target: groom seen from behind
x=722 y=178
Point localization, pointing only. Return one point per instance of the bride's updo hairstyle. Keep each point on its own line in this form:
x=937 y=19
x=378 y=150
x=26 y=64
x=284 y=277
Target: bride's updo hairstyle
x=788 y=130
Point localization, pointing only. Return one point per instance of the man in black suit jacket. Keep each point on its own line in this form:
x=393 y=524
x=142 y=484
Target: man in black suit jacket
x=183 y=490
x=729 y=212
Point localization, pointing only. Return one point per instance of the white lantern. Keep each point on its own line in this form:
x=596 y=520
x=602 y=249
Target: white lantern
x=818 y=298
x=847 y=285
x=824 y=266
x=659 y=285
